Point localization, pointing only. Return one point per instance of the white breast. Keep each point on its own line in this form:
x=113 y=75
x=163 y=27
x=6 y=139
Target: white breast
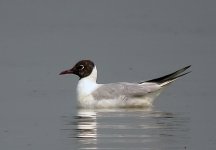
x=85 y=88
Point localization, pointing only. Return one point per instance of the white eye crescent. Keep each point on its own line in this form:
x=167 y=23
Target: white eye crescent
x=81 y=67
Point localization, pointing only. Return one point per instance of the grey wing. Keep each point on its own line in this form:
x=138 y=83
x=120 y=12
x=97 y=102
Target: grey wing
x=140 y=90
x=123 y=90
x=108 y=91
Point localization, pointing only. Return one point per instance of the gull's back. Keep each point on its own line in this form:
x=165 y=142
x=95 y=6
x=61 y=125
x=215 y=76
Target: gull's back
x=123 y=94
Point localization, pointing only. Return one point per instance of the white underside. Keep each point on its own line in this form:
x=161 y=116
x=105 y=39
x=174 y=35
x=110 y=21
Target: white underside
x=89 y=102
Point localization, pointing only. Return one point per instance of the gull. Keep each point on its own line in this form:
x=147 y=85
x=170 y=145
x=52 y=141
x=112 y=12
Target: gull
x=90 y=94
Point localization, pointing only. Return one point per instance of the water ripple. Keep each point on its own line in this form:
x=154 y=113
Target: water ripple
x=128 y=129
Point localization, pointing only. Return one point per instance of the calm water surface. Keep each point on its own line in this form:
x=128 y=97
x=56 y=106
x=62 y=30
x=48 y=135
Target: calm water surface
x=128 y=129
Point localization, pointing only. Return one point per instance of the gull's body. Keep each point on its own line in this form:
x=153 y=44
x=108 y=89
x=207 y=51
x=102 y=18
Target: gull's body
x=120 y=94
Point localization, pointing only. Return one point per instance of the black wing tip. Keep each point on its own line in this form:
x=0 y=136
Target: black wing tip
x=187 y=67
x=171 y=76
x=180 y=75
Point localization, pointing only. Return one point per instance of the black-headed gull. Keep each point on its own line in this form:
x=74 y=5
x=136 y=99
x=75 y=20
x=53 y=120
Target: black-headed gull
x=90 y=94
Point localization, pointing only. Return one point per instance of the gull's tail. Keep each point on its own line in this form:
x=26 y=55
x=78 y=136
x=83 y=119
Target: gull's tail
x=162 y=81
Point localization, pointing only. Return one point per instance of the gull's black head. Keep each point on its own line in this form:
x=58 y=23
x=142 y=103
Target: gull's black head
x=82 y=69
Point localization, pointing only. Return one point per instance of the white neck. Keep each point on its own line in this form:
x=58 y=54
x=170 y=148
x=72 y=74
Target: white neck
x=87 y=85
x=93 y=76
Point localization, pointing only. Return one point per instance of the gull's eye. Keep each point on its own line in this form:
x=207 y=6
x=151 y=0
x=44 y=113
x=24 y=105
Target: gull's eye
x=81 y=67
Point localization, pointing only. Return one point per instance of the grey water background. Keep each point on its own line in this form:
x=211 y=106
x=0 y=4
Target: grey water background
x=129 y=41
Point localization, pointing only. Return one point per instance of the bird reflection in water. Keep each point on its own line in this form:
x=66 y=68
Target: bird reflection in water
x=86 y=126
x=124 y=128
